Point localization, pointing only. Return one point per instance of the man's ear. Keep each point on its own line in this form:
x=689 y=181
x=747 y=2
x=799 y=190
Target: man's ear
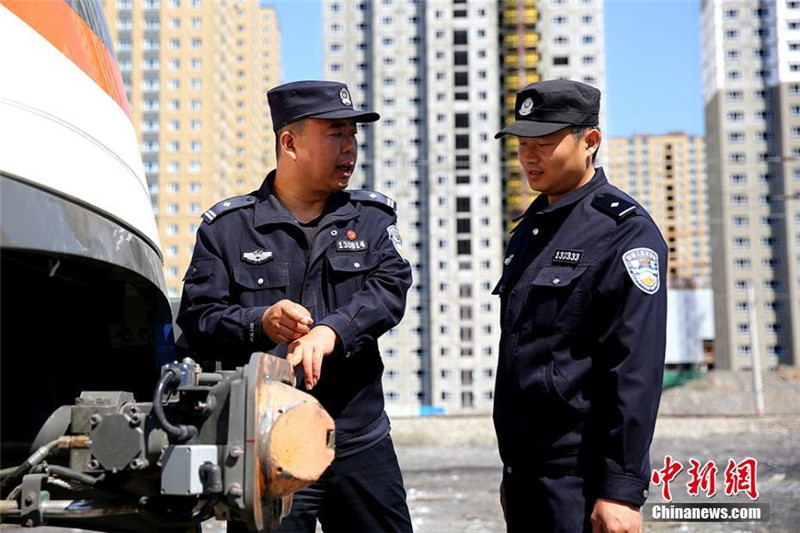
x=592 y=141
x=287 y=141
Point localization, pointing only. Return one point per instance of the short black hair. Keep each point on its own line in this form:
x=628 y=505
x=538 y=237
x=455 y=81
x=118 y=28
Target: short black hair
x=578 y=132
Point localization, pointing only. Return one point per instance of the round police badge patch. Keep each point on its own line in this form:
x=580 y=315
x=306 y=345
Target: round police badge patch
x=397 y=240
x=344 y=96
x=526 y=107
x=642 y=267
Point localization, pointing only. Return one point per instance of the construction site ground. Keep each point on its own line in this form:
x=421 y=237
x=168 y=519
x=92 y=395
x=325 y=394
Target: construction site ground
x=452 y=469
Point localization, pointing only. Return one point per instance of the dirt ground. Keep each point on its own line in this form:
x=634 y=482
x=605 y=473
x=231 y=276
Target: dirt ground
x=452 y=469
x=454 y=488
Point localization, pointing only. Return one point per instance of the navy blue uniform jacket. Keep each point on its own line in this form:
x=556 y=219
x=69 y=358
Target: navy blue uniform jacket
x=583 y=319
x=250 y=253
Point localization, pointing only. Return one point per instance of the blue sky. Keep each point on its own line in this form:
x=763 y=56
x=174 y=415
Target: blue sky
x=652 y=61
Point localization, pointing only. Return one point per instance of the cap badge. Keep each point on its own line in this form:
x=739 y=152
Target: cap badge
x=526 y=107
x=344 y=96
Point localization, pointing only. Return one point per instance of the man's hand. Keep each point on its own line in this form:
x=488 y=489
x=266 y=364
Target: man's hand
x=613 y=516
x=309 y=350
x=286 y=321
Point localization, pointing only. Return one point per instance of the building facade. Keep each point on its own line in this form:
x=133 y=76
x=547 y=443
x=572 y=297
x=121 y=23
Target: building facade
x=666 y=174
x=540 y=40
x=196 y=73
x=444 y=76
x=751 y=78
x=431 y=70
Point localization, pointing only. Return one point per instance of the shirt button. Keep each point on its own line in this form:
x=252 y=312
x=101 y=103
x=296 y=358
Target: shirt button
x=357 y=265
x=645 y=493
x=260 y=281
x=194 y=271
x=508 y=470
x=535 y=231
x=556 y=281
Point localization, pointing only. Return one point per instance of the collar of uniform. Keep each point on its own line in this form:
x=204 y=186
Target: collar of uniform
x=540 y=204
x=270 y=210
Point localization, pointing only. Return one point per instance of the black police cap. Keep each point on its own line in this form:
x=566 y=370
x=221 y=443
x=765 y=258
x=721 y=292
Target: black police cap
x=313 y=99
x=547 y=106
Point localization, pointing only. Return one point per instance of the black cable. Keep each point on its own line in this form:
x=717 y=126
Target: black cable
x=29 y=463
x=181 y=432
x=69 y=473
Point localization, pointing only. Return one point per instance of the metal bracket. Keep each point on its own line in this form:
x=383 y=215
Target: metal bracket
x=31 y=499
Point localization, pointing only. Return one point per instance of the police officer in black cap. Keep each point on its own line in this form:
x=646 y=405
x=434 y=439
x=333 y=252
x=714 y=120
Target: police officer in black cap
x=303 y=268
x=583 y=329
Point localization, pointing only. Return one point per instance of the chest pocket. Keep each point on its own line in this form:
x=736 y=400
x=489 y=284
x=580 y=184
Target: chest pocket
x=262 y=284
x=551 y=294
x=347 y=273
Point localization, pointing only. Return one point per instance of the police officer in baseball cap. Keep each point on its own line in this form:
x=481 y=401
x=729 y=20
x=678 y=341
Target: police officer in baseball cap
x=305 y=269
x=583 y=329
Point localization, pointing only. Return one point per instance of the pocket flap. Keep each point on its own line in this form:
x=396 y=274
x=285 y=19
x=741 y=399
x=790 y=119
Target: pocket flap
x=558 y=276
x=198 y=270
x=262 y=277
x=353 y=262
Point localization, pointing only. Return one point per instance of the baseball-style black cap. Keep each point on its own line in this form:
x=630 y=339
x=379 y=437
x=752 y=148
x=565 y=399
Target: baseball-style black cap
x=547 y=106
x=313 y=99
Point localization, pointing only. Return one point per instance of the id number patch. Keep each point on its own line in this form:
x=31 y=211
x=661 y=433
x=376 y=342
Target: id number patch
x=351 y=246
x=568 y=257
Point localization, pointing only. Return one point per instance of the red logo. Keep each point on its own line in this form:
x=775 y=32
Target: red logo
x=704 y=478
x=665 y=475
x=351 y=235
x=741 y=477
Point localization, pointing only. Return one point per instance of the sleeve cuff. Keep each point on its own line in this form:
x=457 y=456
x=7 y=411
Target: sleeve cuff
x=253 y=333
x=343 y=329
x=631 y=489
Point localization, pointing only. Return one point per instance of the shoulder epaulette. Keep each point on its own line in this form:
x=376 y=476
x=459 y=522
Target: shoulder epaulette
x=614 y=206
x=372 y=197
x=226 y=206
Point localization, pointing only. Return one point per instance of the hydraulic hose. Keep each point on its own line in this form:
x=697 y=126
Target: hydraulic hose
x=39 y=455
x=181 y=432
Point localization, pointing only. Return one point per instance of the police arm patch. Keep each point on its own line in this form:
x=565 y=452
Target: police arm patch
x=642 y=267
x=397 y=240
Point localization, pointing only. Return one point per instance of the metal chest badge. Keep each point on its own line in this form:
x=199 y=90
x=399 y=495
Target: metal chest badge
x=642 y=267
x=257 y=256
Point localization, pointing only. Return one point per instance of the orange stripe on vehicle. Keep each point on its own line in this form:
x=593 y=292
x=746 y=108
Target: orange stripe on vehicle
x=57 y=22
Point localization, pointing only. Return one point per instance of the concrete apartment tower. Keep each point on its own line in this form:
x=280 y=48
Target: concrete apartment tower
x=540 y=40
x=431 y=70
x=196 y=73
x=666 y=173
x=751 y=77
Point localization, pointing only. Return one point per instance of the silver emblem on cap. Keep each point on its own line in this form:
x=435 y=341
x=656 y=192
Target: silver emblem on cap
x=344 y=96
x=526 y=107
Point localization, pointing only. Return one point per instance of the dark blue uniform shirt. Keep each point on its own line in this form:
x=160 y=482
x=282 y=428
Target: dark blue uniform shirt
x=251 y=252
x=583 y=320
